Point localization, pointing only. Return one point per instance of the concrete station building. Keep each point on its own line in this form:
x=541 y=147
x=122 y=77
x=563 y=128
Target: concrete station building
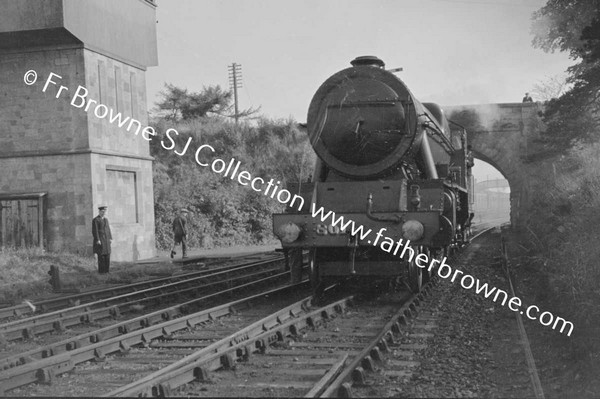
x=58 y=163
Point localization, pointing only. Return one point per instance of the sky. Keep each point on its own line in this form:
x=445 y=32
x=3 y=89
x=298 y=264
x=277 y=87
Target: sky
x=453 y=52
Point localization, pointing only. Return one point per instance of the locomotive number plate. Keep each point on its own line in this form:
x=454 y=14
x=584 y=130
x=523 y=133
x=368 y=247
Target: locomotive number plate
x=327 y=229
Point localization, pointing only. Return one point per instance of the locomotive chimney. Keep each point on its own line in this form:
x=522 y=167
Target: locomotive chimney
x=367 y=60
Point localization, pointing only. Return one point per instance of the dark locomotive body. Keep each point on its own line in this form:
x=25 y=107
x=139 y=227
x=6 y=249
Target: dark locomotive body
x=387 y=163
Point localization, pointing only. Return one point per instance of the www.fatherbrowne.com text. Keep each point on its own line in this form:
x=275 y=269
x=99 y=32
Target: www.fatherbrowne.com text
x=81 y=99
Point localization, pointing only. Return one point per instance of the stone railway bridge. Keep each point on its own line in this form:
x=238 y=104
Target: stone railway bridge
x=504 y=135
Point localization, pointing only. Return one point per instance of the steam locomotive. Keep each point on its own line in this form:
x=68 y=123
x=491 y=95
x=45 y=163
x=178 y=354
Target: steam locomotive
x=388 y=165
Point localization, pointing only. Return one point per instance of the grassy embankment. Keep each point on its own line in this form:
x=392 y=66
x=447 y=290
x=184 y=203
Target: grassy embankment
x=25 y=273
x=562 y=244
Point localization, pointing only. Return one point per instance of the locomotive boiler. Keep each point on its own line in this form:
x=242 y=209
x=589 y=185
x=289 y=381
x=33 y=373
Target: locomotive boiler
x=391 y=176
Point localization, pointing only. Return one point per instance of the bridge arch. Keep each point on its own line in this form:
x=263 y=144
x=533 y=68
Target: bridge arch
x=503 y=135
x=491 y=193
x=509 y=171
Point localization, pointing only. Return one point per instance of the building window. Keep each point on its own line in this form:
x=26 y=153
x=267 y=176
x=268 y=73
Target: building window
x=122 y=195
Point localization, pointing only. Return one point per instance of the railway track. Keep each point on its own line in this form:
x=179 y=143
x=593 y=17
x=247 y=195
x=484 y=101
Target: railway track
x=132 y=301
x=43 y=364
x=64 y=301
x=321 y=352
x=252 y=349
x=536 y=385
x=243 y=348
x=487 y=224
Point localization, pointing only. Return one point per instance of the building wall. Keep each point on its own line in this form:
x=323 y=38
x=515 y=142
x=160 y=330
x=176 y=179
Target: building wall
x=45 y=143
x=80 y=161
x=68 y=208
x=120 y=161
x=124 y=30
x=30 y=14
x=125 y=186
x=132 y=20
x=122 y=88
x=31 y=121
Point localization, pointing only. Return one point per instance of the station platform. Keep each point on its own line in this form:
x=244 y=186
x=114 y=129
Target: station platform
x=198 y=255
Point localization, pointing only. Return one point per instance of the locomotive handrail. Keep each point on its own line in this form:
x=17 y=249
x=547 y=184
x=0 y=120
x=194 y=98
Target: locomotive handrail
x=394 y=219
x=443 y=138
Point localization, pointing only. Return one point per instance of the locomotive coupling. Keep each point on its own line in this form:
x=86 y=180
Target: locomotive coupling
x=412 y=230
x=415 y=197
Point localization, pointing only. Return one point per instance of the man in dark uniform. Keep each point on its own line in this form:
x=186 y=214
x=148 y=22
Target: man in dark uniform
x=527 y=98
x=102 y=239
x=180 y=233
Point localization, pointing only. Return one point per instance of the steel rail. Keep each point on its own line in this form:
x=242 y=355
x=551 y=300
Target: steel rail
x=224 y=352
x=531 y=368
x=197 y=366
x=118 y=329
x=482 y=232
x=84 y=297
x=112 y=307
x=98 y=344
x=341 y=386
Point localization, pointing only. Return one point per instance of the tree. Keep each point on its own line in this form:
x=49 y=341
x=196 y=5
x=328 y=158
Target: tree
x=572 y=26
x=172 y=101
x=211 y=99
x=176 y=103
x=560 y=23
x=552 y=87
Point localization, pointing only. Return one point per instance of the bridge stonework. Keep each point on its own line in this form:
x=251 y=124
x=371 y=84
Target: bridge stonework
x=504 y=135
x=72 y=159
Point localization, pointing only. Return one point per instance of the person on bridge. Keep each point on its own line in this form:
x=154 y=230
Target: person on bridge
x=102 y=239
x=180 y=233
x=527 y=98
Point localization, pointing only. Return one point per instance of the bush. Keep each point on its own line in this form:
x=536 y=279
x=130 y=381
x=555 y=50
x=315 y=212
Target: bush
x=565 y=230
x=222 y=211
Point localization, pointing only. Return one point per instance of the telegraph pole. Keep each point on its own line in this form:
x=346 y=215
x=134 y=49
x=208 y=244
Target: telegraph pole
x=235 y=81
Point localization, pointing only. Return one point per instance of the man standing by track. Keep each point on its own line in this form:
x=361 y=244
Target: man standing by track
x=180 y=233
x=102 y=239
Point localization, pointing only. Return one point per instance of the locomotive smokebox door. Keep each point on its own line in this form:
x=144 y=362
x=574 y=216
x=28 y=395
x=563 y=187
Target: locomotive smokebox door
x=361 y=121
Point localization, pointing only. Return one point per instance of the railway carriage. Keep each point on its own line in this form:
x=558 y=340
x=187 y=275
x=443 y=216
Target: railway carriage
x=388 y=165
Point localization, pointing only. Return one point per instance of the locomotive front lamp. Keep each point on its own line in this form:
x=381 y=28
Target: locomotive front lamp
x=288 y=232
x=412 y=230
